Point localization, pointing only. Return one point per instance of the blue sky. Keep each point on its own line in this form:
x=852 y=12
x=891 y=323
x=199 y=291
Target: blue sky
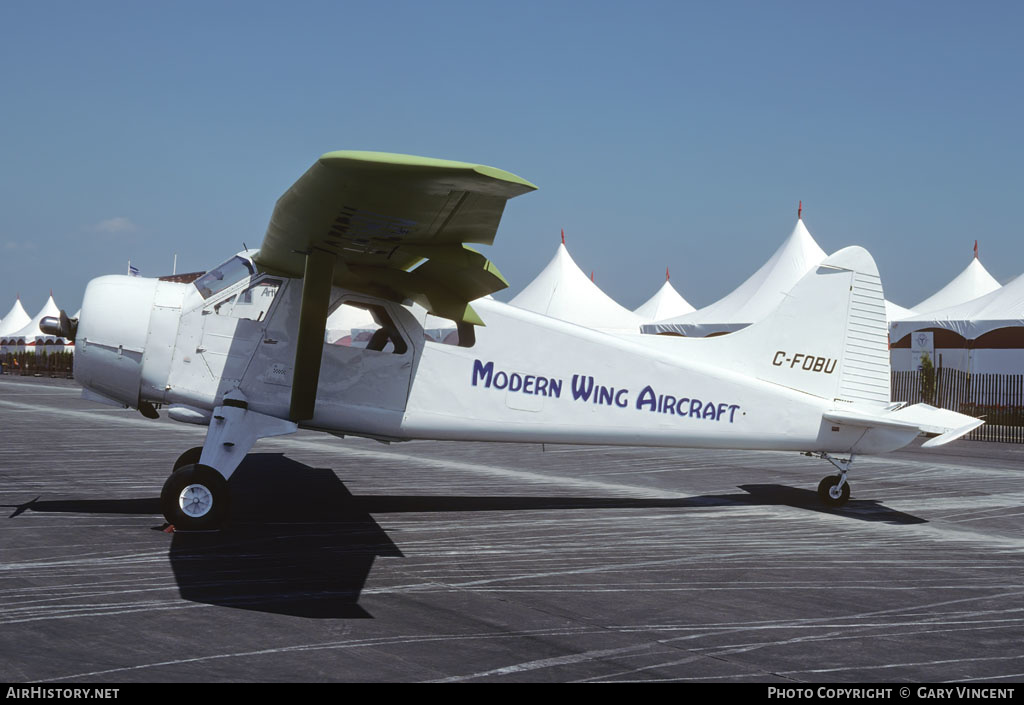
x=660 y=133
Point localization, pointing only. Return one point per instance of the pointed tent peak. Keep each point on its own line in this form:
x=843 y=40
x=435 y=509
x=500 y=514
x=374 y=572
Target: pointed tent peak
x=666 y=273
x=591 y=275
x=30 y=330
x=666 y=303
x=49 y=309
x=800 y=210
x=563 y=290
x=801 y=240
x=999 y=308
x=16 y=307
x=801 y=228
x=759 y=294
x=15 y=320
x=973 y=282
x=975 y=249
x=562 y=253
x=563 y=236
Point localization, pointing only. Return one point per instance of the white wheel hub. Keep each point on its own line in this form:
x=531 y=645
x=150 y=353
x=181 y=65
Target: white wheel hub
x=196 y=501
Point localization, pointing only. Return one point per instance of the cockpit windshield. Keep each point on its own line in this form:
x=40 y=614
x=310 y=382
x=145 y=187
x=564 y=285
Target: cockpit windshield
x=234 y=270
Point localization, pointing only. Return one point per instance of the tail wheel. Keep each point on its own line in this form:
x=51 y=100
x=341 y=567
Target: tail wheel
x=195 y=497
x=189 y=457
x=832 y=495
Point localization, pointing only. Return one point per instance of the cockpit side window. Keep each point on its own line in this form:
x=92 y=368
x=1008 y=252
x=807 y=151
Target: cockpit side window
x=252 y=303
x=367 y=326
x=234 y=270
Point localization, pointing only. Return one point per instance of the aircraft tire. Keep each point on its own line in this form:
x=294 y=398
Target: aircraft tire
x=195 y=498
x=189 y=457
x=825 y=491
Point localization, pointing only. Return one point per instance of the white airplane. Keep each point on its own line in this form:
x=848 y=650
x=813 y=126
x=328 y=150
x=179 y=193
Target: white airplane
x=243 y=349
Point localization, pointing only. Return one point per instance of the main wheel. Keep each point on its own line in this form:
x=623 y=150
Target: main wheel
x=830 y=494
x=195 y=497
x=189 y=457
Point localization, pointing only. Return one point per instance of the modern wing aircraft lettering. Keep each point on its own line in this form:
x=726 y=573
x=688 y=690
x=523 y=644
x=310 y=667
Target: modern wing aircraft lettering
x=317 y=329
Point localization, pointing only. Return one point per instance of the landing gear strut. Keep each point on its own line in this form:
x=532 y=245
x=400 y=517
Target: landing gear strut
x=195 y=496
x=834 y=490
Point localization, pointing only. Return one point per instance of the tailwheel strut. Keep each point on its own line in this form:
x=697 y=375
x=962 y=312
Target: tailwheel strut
x=834 y=490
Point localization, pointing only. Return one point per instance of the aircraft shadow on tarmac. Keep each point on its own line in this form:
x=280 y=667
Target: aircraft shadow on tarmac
x=299 y=543
x=755 y=495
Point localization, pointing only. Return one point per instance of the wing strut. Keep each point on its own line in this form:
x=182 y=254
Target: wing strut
x=316 y=299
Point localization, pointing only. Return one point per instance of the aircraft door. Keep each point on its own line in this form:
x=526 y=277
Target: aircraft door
x=216 y=340
x=368 y=356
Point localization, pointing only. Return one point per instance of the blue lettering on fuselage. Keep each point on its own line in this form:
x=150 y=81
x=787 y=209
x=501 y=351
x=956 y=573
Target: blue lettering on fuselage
x=586 y=390
x=485 y=375
x=684 y=406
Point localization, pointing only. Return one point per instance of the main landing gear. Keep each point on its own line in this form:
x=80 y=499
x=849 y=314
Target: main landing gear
x=834 y=490
x=195 y=497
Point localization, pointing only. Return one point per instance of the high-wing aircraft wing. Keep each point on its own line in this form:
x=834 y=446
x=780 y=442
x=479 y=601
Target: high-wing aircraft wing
x=365 y=220
x=375 y=216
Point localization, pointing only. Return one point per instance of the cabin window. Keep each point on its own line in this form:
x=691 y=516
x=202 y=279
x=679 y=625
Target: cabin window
x=220 y=278
x=463 y=335
x=367 y=326
x=252 y=304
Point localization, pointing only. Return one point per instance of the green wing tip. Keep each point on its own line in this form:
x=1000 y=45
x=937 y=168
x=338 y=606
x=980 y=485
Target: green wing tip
x=471 y=316
x=493 y=270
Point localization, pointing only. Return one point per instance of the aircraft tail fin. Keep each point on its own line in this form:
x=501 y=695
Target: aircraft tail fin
x=829 y=336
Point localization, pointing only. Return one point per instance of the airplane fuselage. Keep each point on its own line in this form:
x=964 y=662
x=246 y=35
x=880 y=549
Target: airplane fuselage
x=525 y=378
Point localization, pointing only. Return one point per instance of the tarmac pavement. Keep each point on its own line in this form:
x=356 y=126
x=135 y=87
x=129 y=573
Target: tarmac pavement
x=349 y=560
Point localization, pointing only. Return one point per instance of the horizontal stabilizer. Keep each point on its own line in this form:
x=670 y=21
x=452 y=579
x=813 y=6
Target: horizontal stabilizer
x=862 y=420
x=922 y=418
x=952 y=435
x=950 y=425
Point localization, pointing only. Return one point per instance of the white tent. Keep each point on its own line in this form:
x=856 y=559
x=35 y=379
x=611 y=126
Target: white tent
x=1002 y=308
x=15 y=320
x=435 y=328
x=971 y=283
x=345 y=324
x=756 y=297
x=985 y=334
x=666 y=303
x=31 y=335
x=354 y=326
x=563 y=291
x=895 y=312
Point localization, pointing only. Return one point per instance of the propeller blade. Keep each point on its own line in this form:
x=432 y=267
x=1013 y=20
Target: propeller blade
x=68 y=326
